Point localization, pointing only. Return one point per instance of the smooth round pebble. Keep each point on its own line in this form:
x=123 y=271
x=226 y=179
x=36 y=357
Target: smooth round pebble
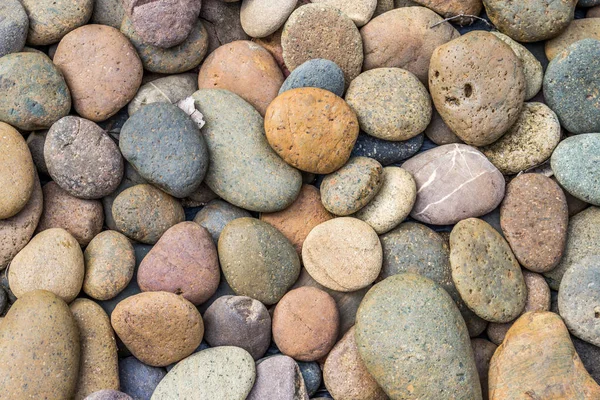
x=51 y=261
x=319 y=73
x=278 y=377
x=311 y=129
x=169 y=89
x=144 y=213
x=109 y=265
x=50 y=20
x=216 y=215
x=387 y=152
x=139 y=380
x=359 y=11
x=13 y=27
x=108 y=12
x=343 y=254
x=260 y=18
x=585 y=28
x=108 y=394
x=305 y=324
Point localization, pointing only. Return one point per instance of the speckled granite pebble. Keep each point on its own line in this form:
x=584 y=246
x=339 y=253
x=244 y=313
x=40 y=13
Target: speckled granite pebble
x=50 y=20
x=13 y=27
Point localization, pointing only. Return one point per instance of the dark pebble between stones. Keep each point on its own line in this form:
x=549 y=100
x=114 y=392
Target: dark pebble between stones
x=319 y=73
x=311 y=372
x=385 y=151
x=138 y=379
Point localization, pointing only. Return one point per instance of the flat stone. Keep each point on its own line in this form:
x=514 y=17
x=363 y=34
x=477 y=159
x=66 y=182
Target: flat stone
x=387 y=152
x=216 y=215
x=278 y=377
x=260 y=18
x=320 y=73
x=13 y=28
x=51 y=20
x=585 y=28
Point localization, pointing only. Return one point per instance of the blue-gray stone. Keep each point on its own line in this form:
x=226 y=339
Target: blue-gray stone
x=216 y=214
x=13 y=27
x=166 y=147
x=386 y=151
x=576 y=165
x=572 y=86
x=311 y=372
x=319 y=73
x=138 y=379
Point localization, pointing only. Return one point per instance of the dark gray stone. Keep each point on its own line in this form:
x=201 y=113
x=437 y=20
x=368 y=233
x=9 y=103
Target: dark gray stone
x=216 y=214
x=590 y=357
x=138 y=379
x=3 y=300
x=311 y=372
x=319 y=73
x=222 y=21
x=385 y=151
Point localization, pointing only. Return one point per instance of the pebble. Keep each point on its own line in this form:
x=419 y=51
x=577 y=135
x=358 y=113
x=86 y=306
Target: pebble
x=438 y=132
x=201 y=196
x=343 y=254
x=84 y=55
x=387 y=152
x=272 y=44
x=35 y=94
x=449 y=200
x=164 y=145
x=163 y=23
x=530 y=21
x=483 y=350
x=108 y=12
x=390 y=103
x=223 y=23
x=345 y=375
x=413 y=341
x=39 y=339
x=321 y=31
x=216 y=215
x=81 y=218
x=184 y=261
x=352 y=187
x=589 y=355
x=359 y=11
x=159 y=328
x=538 y=357
x=17 y=172
x=260 y=18
x=586 y=28
x=238 y=148
x=528 y=143
x=318 y=73
x=51 y=261
x=244 y=68
x=278 y=377
x=108 y=394
x=130 y=178
x=453 y=8
x=144 y=213
x=305 y=324
x=238 y=321
x=532 y=68
x=99 y=366
x=169 y=89
x=224 y=372
x=593 y=12
x=311 y=374
x=35 y=142
x=404 y=38
x=534 y=218
x=13 y=27
x=296 y=221
x=50 y=20
x=582 y=239
x=571 y=86
x=479 y=96
x=485 y=271
x=311 y=129
x=578 y=299
x=109 y=265
x=139 y=380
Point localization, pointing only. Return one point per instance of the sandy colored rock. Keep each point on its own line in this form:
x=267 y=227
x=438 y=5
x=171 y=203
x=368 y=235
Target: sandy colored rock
x=50 y=20
x=586 y=28
x=528 y=143
x=278 y=377
x=81 y=218
x=478 y=86
x=109 y=265
x=296 y=221
x=17 y=172
x=311 y=129
x=108 y=394
x=321 y=31
x=305 y=324
x=39 y=339
x=534 y=218
x=184 y=261
x=98 y=366
x=359 y=11
x=483 y=350
x=51 y=261
x=244 y=68
x=136 y=208
x=260 y=18
x=404 y=38
x=343 y=254
x=390 y=103
x=159 y=328
x=169 y=89
x=538 y=357
x=84 y=55
x=345 y=375
x=453 y=8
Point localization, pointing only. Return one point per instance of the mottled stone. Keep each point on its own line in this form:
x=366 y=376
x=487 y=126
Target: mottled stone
x=483 y=350
x=35 y=142
x=586 y=28
x=272 y=44
x=222 y=21
x=50 y=20
x=260 y=18
x=589 y=355
x=386 y=151
x=312 y=376
x=216 y=215
x=320 y=73
x=169 y=89
x=108 y=394
x=453 y=9
x=278 y=377
x=108 y=12
x=13 y=27
x=359 y=11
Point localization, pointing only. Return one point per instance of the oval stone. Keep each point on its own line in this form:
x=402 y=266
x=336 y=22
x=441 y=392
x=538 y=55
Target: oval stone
x=311 y=129
x=343 y=254
x=446 y=177
x=478 y=86
x=159 y=328
x=243 y=168
x=224 y=372
x=164 y=145
x=414 y=342
x=184 y=261
x=387 y=152
x=278 y=377
x=35 y=94
x=13 y=28
x=257 y=260
x=319 y=73
x=50 y=20
x=260 y=18
x=534 y=218
x=485 y=271
x=216 y=215
x=390 y=103
x=144 y=213
x=579 y=29
x=51 y=261
x=39 y=339
x=169 y=89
